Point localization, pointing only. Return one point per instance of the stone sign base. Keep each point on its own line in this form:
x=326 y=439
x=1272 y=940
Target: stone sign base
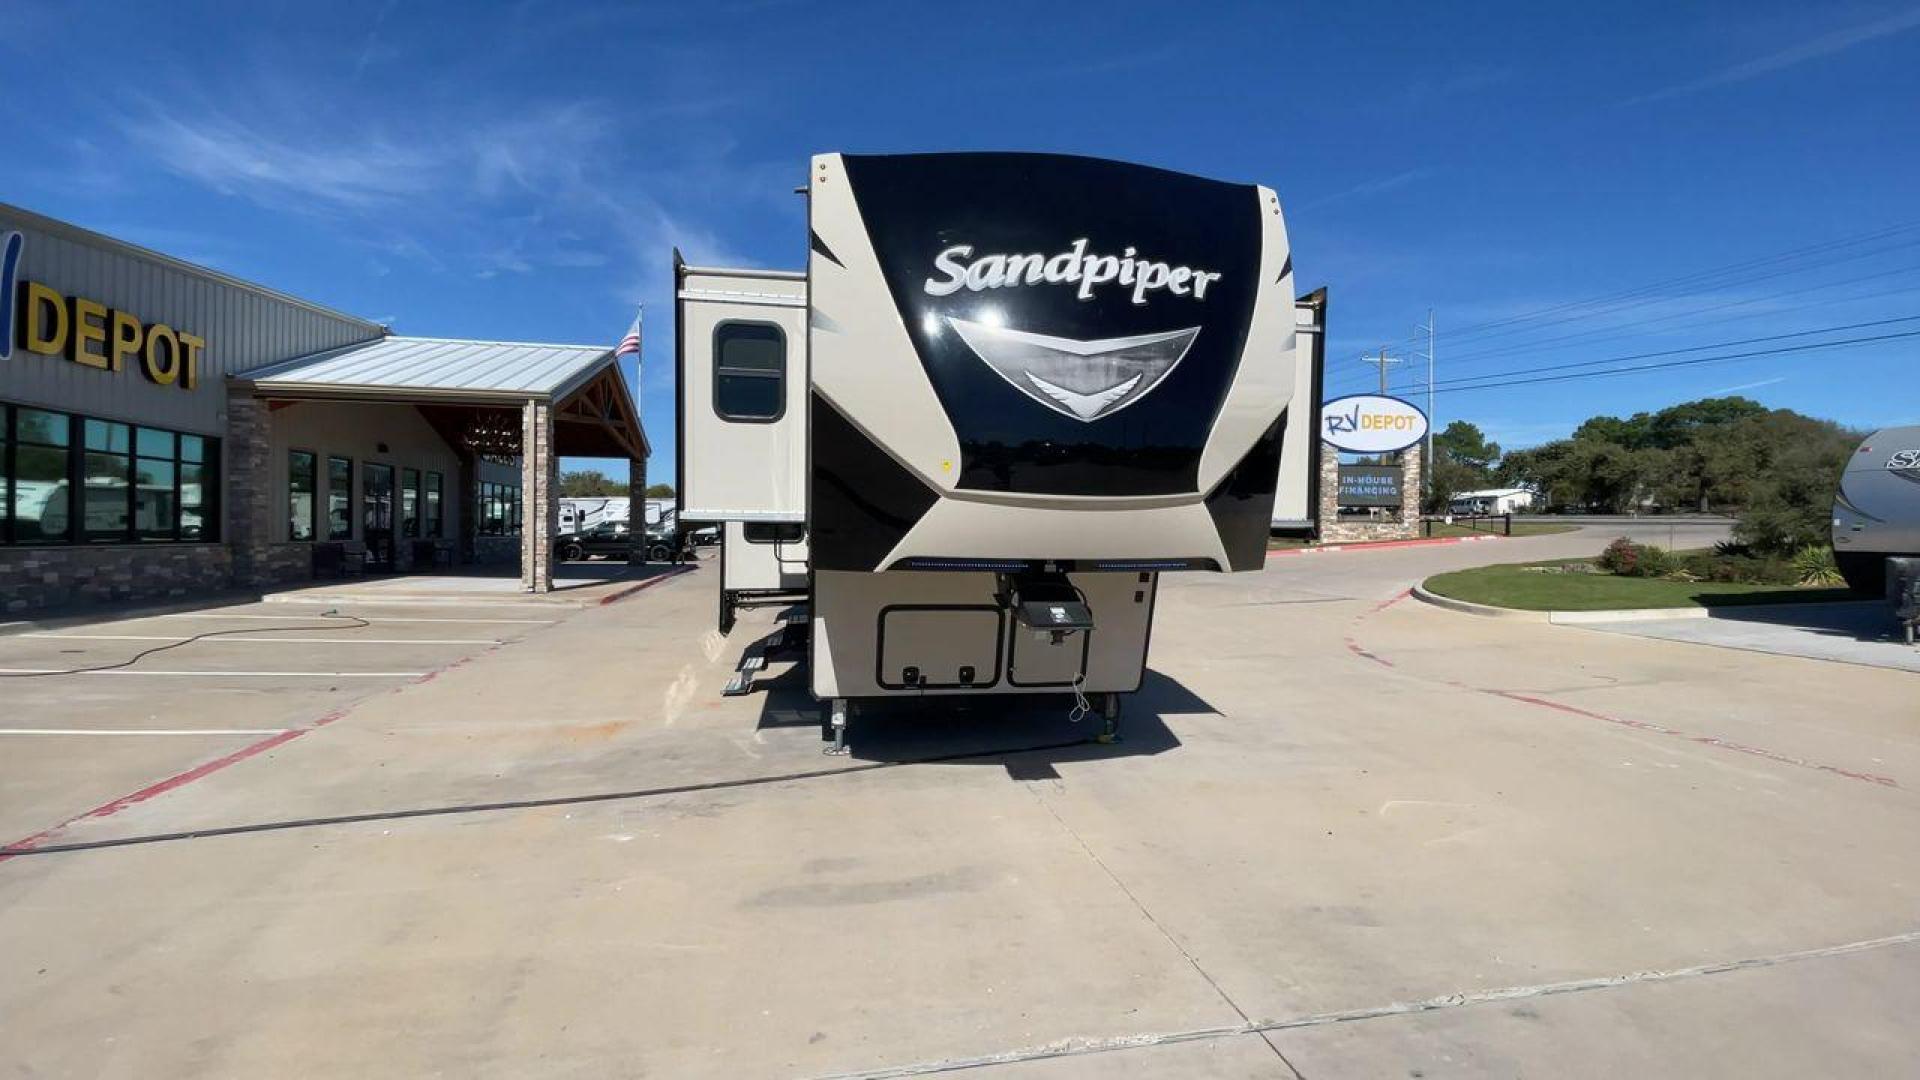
x=1403 y=525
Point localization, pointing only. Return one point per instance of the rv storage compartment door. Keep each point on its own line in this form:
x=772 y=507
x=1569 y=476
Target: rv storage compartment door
x=743 y=394
x=940 y=647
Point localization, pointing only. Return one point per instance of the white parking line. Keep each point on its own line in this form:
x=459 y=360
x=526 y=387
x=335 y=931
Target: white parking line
x=268 y=640
x=367 y=618
x=138 y=731
x=225 y=674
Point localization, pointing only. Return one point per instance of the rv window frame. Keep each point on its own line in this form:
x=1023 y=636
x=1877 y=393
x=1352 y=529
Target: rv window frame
x=779 y=377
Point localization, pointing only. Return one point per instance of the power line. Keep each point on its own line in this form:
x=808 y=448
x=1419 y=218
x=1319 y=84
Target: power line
x=1507 y=350
x=1589 y=335
x=1814 y=347
x=1478 y=329
x=1443 y=383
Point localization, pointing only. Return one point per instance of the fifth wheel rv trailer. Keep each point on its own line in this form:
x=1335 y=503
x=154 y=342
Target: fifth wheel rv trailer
x=1876 y=513
x=1008 y=393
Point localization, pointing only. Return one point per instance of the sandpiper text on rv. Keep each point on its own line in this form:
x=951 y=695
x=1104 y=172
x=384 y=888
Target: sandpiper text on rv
x=1071 y=266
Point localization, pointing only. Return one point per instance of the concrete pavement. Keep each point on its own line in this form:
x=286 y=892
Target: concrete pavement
x=1347 y=836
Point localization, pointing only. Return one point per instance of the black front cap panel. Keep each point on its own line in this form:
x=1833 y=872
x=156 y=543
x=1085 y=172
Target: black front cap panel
x=1242 y=504
x=1068 y=387
x=863 y=501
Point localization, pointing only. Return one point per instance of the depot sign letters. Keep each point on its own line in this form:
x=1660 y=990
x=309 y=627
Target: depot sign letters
x=87 y=332
x=1371 y=424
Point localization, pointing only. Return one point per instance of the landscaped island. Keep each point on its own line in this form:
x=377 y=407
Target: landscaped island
x=1630 y=576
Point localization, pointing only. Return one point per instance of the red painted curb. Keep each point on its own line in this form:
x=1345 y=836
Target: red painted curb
x=208 y=768
x=647 y=584
x=1379 y=544
x=154 y=790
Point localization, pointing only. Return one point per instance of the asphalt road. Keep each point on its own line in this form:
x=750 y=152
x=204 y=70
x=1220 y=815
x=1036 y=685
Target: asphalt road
x=1348 y=835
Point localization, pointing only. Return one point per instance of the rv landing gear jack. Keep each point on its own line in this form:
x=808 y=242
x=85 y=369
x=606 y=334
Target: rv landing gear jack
x=1109 y=719
x=836 y=726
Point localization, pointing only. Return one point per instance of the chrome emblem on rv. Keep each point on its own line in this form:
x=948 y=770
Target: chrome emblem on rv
x=1082 y=379
x=1905 y=464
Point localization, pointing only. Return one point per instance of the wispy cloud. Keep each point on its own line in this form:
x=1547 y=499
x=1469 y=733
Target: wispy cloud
x=236 y=157
x=1376 y=186
x=517 y=190
x=1834 y=41
x=1749 y=385
x=375 y=47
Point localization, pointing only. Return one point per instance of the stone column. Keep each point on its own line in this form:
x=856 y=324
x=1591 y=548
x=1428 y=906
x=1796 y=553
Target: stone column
x=637 y=510
x=248 y=488
x=1410 y=488
x=1327 y=525
x=539 y=479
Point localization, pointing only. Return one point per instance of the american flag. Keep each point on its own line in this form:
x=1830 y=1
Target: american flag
x=630 y=345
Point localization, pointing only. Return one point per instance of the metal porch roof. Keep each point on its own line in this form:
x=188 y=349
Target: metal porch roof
x=421 y=367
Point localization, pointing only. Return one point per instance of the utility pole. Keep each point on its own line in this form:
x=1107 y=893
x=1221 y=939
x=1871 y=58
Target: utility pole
x=1428 y=471
x=1383 y=360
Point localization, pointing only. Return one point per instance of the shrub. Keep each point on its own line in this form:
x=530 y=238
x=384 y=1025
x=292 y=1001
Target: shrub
x=1742 y=569
x=1628 y=559
x=1621 y=557
x=1815 y=565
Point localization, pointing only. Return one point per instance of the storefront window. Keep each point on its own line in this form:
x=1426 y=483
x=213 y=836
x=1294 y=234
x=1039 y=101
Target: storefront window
x=434 y=482
x=376 y=516
x=500 y=510
x=106 y=484
x=339 y=498
x=155 y=498
x=132 y=483
x=300 y=492
x=410 y=502
x=41 y=478
x=196 y=488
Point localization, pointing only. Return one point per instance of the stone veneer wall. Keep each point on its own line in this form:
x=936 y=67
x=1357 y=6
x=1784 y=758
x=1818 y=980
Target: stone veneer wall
x=257 y=558
x=35 y=578
x=1335 y=530
x=539 y=481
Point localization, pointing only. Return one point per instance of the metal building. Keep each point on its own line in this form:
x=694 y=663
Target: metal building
x=166 y=429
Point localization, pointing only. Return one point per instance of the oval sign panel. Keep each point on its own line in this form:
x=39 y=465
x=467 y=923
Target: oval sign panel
x=1371 y=424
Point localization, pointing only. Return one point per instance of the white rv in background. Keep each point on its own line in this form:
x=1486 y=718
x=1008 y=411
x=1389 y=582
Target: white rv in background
x=1876 y=512
x=1008 y=393
x=579 y=513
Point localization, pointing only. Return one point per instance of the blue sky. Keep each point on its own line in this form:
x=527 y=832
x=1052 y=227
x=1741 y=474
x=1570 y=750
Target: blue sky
x=521 y=171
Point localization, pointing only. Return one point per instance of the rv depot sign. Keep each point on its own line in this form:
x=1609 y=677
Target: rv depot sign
x=88 y=332
x=1371 y=424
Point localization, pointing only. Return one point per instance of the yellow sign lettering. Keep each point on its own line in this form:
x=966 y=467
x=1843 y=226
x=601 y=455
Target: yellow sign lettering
x=125 y=336
x=86 y=332
x=190 y=367
x=161 y=366
x=46 y=320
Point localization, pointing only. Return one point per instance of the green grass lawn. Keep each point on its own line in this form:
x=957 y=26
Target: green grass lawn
x=1512 y=586
x=1520 y=528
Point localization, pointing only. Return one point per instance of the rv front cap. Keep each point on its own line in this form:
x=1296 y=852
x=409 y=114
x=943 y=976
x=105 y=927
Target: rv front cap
x=1073 y=266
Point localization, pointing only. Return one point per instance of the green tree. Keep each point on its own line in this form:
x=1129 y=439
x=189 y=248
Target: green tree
x=588 y=483
x=660 y=491
x=1463 y=460
x=1796 y=463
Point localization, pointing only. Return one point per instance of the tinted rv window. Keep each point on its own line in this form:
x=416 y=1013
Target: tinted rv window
x=768 y=532
x=749 y=371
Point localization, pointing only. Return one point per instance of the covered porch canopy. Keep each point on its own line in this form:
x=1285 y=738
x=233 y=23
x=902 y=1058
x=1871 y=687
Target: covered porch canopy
x=486 y=399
